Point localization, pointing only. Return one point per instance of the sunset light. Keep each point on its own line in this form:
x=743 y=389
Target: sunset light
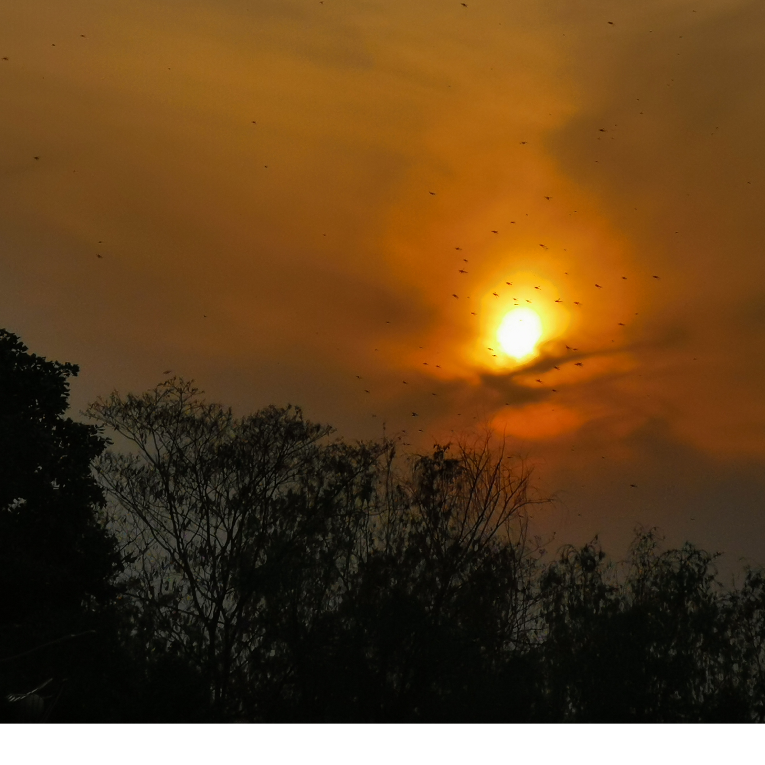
x=519 y=332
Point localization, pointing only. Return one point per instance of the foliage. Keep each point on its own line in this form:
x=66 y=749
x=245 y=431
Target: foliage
x=312 y=578
x=56 y=560
x=659 y=642
x=260 y=569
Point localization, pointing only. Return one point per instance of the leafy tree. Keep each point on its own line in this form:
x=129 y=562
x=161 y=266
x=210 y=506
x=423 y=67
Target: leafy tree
x=658 y=641
x=56 y=560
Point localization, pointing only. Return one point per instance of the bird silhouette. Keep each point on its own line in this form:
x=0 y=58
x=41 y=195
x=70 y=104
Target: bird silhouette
x=577 y=303
x=537 y=288
x=548 y=198
x=432 y=193
x=495 y=294
x=633 y=485
x=538 y=380
x=577 y=363
x=655 y=277
x=414 y=414
x=462 y=271
x=598 y=286
x=458 y=248
x=558 y=368
x=455 y=296
x=167 y=372
x=494 y=232
x=621 y=323
x=558 y=300
x=509 y=284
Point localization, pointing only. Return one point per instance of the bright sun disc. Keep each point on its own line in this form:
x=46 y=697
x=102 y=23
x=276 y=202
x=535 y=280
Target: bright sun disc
x=519 y=332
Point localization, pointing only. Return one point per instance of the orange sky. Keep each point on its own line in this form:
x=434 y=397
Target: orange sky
x=257 y=177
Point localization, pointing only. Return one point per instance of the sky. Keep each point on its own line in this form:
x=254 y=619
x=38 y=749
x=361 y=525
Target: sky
x=278 y=199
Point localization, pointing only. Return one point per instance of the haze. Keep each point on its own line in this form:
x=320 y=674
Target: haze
x=276 y=198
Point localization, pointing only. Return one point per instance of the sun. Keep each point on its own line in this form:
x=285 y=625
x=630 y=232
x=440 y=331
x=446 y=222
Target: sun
x=519 y=332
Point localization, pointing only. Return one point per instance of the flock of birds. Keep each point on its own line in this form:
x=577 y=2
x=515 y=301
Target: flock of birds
x=463 y=272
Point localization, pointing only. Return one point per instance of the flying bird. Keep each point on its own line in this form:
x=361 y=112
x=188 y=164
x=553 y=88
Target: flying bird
x=495 y=294
x=621 y=323
x=655 y=277
x=537 y=288
x=494 y=232
x=558 y=368
x=509 y=284
x=167 y=372
x=414 y=414
x=462 y=271
x=577 y=303
x=432 y=193
x=633 y=485
x=548 y=198
x=558 y=300
x=598 y=286
x=538 y=380
x=577 y=363
x=458 y=248
x=568 y=347
x=455 y=296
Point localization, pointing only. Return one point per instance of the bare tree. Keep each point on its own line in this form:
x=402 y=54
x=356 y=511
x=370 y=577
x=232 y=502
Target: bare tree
x=208 y=506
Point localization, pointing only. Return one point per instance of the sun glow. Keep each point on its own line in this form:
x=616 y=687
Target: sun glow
x=519 y=332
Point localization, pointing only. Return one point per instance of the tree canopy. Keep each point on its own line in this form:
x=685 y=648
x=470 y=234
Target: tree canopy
x=262 y=569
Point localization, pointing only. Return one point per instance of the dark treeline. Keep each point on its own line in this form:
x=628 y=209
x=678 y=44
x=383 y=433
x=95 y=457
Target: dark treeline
x=216 y=569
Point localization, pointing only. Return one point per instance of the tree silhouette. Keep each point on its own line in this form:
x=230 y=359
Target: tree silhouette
x=56 y=560
x=313 y=579
x=222 y=518
x=658 y=641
